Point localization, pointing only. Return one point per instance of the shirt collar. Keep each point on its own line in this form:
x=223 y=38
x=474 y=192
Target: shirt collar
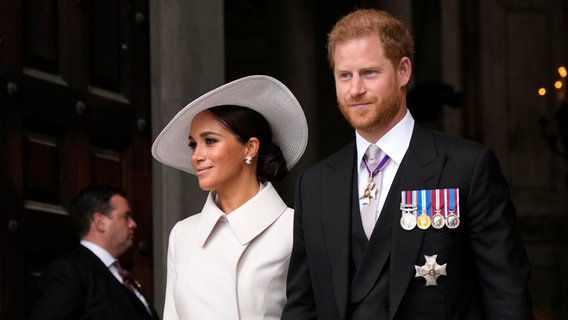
x=394 y=143
x=247 y=221
x=101 y=253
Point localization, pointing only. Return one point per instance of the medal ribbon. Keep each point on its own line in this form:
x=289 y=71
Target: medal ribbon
x=452 y=204
x=415 y=197
x=384 y=161
x=436 y=200
x=408 y=198
x=424 y=204
x=453 y=198
x=457 y=201
x=447 y=206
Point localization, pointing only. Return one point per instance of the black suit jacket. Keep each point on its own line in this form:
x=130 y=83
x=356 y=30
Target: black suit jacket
x=487 y=267
x=79 y=286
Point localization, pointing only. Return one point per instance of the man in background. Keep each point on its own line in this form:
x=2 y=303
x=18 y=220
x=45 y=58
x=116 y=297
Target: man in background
x=89 y=283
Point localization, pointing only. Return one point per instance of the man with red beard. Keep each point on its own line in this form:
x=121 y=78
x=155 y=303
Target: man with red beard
x=402 y=223
x=89 y=283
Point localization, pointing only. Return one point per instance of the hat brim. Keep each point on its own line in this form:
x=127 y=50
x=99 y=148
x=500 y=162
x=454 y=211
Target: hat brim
x=261 y=93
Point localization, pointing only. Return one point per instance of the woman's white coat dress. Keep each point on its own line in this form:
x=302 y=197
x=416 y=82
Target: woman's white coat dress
x=230 y=266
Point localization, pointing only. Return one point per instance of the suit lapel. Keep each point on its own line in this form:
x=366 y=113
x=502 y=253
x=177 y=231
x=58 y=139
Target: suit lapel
x=377 y=252
x=337 y=189
x=118 y=291
x=421 y=169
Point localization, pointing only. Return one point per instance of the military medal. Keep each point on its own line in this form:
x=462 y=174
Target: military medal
x=408 y=207
x=425 y=208
x=438 y=220
x=452 y=204
x=453 y=221
x=423 y=220
x=408 y=221
x=431 y=270
x=370 y=191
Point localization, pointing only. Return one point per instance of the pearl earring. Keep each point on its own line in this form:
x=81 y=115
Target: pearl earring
x=248 y=160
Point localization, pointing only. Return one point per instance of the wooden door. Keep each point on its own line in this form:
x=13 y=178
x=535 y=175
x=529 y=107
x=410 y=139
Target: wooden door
x=519 y=45
x=74 y=110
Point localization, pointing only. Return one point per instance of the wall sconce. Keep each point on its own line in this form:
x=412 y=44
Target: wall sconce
x=554 y=123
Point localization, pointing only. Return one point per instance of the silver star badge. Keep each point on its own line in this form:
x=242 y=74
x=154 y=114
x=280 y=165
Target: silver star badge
x=370 y=192
x=431 y=270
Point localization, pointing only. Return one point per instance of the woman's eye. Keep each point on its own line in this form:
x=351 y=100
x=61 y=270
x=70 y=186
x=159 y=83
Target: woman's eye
x=209 y=141
x=192 y=145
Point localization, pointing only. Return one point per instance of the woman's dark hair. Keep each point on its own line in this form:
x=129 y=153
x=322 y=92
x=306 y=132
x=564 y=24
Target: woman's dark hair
x=246 y=123
x=92 y=199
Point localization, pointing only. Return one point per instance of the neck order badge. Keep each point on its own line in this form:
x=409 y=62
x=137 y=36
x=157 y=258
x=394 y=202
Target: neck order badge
x=370 y=160
x=369 y=206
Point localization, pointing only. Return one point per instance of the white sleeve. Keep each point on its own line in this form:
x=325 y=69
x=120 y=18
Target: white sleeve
x=170 y=312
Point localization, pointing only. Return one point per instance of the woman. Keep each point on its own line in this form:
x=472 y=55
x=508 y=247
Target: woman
x=230 y=261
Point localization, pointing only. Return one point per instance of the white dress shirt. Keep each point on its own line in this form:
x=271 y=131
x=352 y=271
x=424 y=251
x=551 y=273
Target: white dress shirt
x=395 y=144
x=230 y=266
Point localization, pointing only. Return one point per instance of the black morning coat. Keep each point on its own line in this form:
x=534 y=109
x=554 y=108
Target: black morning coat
x=79 y=286
x=486 y=264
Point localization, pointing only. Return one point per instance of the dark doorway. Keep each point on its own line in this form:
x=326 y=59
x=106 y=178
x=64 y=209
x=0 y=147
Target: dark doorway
x=74 y=110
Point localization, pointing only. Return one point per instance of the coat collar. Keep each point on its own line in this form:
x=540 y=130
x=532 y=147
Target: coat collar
x=101 y=253
x=247 y=221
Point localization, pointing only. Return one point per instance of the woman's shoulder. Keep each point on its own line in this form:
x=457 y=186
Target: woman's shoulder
x=189 y=221
x=186 y=226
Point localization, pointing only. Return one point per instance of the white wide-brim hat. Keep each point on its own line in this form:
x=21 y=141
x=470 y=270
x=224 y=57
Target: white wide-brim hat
x=261 y=93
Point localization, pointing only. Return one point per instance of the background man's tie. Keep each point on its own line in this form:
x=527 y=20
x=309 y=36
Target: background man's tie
x=127 y=278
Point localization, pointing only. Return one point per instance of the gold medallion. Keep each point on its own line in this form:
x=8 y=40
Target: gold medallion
x=423 y=221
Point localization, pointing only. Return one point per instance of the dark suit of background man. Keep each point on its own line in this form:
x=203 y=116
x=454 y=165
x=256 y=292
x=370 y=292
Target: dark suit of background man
x=477 y=269
x=87 y=284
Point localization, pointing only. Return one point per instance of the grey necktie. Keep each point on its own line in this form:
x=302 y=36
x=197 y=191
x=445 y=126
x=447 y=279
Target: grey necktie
x=369 y=210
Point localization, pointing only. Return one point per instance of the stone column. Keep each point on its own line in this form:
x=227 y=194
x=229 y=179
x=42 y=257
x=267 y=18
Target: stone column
x=187 y=60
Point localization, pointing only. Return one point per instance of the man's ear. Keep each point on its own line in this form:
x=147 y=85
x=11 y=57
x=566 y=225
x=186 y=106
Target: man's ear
x=404 y=71
x=99 y=222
